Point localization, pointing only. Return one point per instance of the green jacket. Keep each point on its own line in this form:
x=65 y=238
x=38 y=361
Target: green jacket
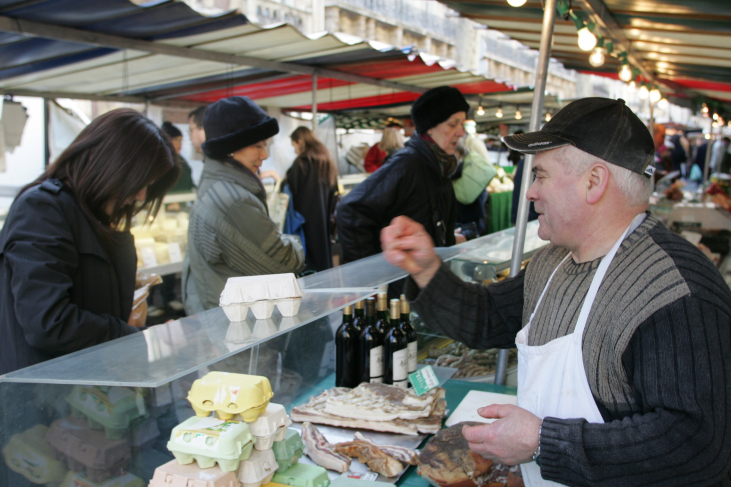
x=476 y=175
x=230 y=234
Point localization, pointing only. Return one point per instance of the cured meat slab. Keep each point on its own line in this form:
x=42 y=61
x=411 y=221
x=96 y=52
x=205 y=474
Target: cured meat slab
x=315 y=411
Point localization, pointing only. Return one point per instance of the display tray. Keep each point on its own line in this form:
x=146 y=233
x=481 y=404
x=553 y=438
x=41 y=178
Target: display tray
x=334 y=434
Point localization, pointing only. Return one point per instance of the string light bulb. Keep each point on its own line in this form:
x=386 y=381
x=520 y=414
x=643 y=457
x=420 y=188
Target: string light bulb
x=704 y=109
x=663 y=103
x=587 y=40
x=655 y=95
x=548 y=117
x=625 y=73
x=499 y=113
x=643 y=93
x=516 y=3
x=518 y=115
x=480 y=110
x=597 y=57
x=632 y=86
x=715 y=116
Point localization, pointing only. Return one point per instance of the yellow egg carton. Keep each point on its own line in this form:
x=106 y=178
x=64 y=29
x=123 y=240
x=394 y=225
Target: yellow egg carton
x=28 y=454
x=229 y=394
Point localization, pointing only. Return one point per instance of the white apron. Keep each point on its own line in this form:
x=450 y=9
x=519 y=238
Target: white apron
x=551 y=377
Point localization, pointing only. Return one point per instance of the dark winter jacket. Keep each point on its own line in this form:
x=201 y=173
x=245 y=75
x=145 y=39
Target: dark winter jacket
x=410 y=183
x=61 y=289
x=312 y=198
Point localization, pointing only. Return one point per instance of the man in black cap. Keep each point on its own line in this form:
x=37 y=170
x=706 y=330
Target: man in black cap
x=414 y=181
x=623 y=328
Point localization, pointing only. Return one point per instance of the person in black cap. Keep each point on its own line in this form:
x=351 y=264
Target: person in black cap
x=623 y=328
x=414 y=181
x=230 y=233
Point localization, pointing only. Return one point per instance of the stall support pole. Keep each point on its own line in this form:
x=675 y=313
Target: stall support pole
x=544 y=57
x=706 y=169
x=314 y=102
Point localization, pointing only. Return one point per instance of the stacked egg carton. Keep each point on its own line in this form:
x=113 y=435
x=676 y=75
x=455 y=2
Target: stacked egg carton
x=236 y=446
x=261 y=294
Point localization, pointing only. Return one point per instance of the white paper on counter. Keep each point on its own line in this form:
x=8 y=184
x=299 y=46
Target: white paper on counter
x=474 y=400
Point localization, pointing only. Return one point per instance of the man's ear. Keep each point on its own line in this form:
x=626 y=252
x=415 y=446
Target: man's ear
x=597 y=182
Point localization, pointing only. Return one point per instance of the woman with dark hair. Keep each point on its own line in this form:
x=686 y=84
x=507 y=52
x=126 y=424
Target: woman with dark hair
x=67 y=259
x=313 y=181
x=230 y=232
x=185 y=181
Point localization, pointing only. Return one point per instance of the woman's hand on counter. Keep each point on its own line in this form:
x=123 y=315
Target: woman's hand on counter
x=406 y=244
x=512 y=439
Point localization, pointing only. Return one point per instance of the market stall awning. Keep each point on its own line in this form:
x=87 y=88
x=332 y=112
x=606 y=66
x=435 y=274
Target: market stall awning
x=685 y=45
x=165 y=51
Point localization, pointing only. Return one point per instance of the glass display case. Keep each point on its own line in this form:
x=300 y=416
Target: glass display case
x=128 y=394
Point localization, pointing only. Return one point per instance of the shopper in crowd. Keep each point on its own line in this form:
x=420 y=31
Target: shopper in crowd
x=718 y=153
x=185 y=182
x=391 y=141
x=67 y=259
x=623 y=328
x=230 y=233
x=415 y=182
x=197 y=132
x=313 y=182
x=470 y=182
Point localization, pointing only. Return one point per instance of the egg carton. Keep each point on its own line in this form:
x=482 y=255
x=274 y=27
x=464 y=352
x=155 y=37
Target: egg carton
x=289 y=450
x=81 y=480
x=303 y=475
x=28 y=454
x=261 y=294
x=88 y=450
x=209 y=441
x=230 y=394
x=270 y=426
x=108 y=408
x=262 y=309
x=258 y=469
x=172 y=474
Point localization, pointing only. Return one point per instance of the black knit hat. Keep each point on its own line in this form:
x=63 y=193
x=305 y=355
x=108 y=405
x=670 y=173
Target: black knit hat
x=234 y=123
x=602 y=127
x=436 y=106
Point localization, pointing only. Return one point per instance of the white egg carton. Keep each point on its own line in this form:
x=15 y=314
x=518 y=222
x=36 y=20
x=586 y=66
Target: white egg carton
x=259 y=469
x=261 y=294
x=271 y=426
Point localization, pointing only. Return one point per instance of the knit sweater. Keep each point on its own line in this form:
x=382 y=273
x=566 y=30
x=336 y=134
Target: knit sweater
x=656 y=349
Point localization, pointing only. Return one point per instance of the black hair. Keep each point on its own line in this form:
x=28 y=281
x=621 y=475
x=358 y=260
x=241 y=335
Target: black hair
x=197 y=115
x=171 y=130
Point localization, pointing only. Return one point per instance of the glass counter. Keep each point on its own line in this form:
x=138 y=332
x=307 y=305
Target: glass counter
x=151 y=372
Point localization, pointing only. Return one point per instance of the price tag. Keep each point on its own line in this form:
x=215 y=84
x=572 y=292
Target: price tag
x=370 y=476
x=148 y=256
x=423 y=380
x=175 y=254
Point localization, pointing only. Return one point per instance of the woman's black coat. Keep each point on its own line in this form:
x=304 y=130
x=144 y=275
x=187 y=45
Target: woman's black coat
x=410 y=183
x=61 y=291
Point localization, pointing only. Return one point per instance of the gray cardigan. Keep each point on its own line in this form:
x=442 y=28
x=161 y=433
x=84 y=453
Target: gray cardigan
x=231 y=234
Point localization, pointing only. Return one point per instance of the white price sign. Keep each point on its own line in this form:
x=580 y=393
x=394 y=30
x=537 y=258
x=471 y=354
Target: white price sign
x=148 y=256
x=176 y=255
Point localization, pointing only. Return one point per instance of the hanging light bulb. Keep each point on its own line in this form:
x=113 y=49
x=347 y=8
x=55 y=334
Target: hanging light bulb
x=480 y=110
x=518 y=115
x=655 y=95
x=663 y=103
x=643 y=93
x=597 y=57
x=587 y=40
x=625 y=73
x=704 y=109
x=708 y=136
x=632 y=86
x=516 y=3
x=715 y=116
x=499 y=113
x=548 y=117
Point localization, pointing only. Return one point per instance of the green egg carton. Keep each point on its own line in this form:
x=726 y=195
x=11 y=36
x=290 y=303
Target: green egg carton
x=209 y=441
x=288 y=451
x=349 y=482
x=108 y=408
x=302 y=475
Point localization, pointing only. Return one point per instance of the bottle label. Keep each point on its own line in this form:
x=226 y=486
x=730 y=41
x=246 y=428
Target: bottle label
x=377 y=363
x=412 y=356
x=400 y=367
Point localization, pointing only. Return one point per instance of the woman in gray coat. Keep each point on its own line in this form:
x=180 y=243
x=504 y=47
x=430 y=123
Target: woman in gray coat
x=230 y=232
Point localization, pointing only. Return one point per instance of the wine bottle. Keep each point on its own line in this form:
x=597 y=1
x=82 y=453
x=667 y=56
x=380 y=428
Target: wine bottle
x=371 y=347
x=359 y=316
x=408 y=329
x=383 y=323
x=395 y=350
x=347 y=366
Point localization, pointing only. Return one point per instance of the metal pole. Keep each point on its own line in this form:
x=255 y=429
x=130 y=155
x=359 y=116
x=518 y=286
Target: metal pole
x=706 y=168
x=314 y=102
x=544 y=57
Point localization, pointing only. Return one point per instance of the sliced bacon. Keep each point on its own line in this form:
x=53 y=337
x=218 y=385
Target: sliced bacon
x=321 y=452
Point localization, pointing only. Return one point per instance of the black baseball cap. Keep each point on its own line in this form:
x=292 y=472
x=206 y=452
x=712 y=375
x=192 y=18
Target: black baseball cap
x=602 y=127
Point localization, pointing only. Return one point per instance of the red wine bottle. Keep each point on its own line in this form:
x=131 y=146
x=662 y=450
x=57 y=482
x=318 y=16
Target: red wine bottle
x=395 y=350
x=371 y=347
x=408 y=329
x=347 y=366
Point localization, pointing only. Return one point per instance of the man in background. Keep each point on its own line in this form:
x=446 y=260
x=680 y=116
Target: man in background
x=197 y=133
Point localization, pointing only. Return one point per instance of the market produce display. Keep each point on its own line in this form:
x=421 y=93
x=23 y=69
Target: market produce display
x=447 y=461
x=389 y=405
